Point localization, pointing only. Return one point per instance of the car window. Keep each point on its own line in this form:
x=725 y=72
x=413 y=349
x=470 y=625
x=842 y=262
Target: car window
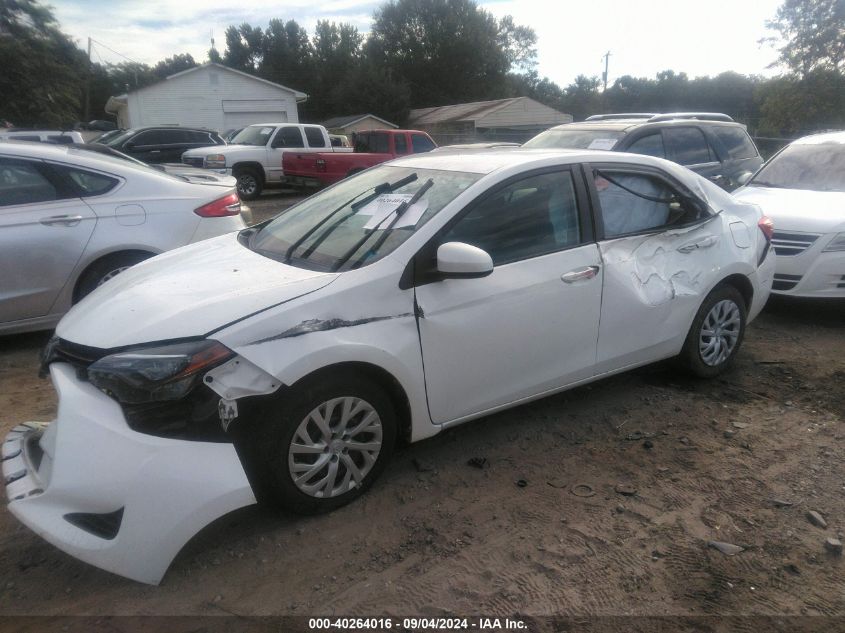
x=24 y=137
x=198 y=137
x=60 y=139
x=530 y=217
x=400 y=143
x=687 y=146
x=21 y=182
x=736 y=141
x=88 y=183
x=421 y=143
x=374 y=142
x=816 y=167
x=634 y=203
x=254 y=135
x=355 y=222
x=650 y=145
x=151 y=138
x=289 y=136
x=315 y=137
x=569 y=138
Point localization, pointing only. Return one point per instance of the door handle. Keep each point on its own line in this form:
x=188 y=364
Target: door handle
x=706 y=242
x=66 y=220
x=581 y=273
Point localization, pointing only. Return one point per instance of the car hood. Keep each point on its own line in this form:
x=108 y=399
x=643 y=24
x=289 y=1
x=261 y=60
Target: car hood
x=797 y=209
x=191 y=291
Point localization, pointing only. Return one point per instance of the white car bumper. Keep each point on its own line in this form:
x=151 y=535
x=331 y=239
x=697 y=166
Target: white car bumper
x=123 y=501
x=812 y=272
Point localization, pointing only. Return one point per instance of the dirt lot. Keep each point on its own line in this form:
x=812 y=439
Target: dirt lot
x=704 y=461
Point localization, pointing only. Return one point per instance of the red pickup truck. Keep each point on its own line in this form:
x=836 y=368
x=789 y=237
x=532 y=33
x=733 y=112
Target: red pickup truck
x=370 y=148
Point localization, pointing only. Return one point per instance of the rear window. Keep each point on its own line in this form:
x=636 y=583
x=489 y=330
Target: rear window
x=421 y=143
x=736 y=141
x=687 y=145
x=89 y=183
x=575 y=139
x=315 y=137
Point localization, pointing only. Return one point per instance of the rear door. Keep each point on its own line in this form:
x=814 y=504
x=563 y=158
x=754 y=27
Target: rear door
x=531 y=325
x=44 y=228
x=287 y=138
x=660 y=251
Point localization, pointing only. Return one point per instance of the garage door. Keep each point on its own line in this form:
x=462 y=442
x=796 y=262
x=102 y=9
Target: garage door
x=243 y=112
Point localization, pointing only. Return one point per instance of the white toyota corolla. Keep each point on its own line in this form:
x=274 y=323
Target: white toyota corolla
x=283 y=363
x=802 y=188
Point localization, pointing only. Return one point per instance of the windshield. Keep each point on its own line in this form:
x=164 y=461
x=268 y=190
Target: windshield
x=575 y=139
x=361 y=219
x=254 y=135
x=818 y=167
x=118 y=139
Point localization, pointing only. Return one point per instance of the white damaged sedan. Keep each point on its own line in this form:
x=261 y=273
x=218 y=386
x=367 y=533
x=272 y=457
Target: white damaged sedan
x=282 y=364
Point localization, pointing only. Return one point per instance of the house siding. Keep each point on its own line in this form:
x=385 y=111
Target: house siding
x=211 y=97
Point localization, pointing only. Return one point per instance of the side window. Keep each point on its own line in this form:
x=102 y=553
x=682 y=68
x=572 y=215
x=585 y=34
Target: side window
x=400 y=143
x=687 y=146
x=288 y=137
x=88 y=183
x=528 y=218
x=197 y=137
x=21 y=182
x=421 y=143
x=651 y=145
x=150 y=138
x=315 y=137
x=736 y=141
x=633 y=203
x=60 y=140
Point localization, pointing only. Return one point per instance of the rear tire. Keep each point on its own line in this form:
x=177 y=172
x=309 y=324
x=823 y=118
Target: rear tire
x=716 y=333
x=323 y=445
x=105 y=269
x=250 y=183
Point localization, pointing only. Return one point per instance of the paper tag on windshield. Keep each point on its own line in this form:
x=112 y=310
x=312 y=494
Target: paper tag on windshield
x=386 y=204
x=602 y=143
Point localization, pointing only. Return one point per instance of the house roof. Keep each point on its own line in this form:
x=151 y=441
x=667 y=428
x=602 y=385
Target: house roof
x=300 y=96
x=459 y=112
x=343 y=121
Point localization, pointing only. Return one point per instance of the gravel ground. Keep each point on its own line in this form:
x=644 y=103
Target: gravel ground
x=626 y=481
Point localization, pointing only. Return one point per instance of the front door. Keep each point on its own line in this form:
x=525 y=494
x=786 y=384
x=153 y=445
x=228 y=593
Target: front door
x=531 y=325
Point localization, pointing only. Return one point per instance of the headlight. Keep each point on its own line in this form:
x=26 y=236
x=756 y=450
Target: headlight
x=156 y=374
x=215 y=161
x=837 y=243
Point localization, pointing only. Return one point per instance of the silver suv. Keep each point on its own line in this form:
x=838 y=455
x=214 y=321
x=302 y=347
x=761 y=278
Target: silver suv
x=708 y=143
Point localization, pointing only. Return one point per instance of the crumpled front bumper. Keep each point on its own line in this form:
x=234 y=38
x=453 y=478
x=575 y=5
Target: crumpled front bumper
x=120 y=500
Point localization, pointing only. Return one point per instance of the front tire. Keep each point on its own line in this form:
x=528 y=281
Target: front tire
x=716 y=333
x=323 y=446
x=105 y=269
x=250 y=183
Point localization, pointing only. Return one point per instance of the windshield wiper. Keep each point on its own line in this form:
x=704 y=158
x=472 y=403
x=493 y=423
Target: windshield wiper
x=385 y=187
x=407 y=204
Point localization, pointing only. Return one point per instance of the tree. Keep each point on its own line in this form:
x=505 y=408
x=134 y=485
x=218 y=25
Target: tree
x=173 y=65
x=336 y=56
x=447 y=51
x=43 y=70
x=812 y=33
x=244 y=47
x=286 y=55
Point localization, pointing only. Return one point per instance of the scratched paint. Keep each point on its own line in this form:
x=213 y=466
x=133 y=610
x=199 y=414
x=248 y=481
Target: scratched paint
x=324 y=325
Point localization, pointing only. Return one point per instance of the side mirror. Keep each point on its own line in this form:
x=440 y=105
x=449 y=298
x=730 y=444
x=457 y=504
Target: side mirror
x=456 y=259
x=743 y=178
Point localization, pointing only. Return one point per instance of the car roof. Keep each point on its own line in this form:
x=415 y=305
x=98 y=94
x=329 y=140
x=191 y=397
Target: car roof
x=825 y=137
x=486 y=162
x=623 y=125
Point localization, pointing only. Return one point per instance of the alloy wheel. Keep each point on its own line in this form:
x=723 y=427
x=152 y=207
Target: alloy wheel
x=719 y=332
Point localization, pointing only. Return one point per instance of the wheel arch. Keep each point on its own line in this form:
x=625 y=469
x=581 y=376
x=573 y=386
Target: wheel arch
x=250 y=164
x=378 y=375
x=743 y=286
x=114 y=254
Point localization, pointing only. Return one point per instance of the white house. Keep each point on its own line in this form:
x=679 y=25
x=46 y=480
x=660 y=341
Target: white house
x=211 y=96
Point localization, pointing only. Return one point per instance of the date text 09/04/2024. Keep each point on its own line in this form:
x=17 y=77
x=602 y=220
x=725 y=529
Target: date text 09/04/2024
x=417 y=624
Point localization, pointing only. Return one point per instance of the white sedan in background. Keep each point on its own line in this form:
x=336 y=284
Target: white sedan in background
x=71 y=219
x=283 y=363
x=802 y=188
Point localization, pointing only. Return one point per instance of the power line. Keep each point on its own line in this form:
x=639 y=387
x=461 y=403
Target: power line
x=116 y=53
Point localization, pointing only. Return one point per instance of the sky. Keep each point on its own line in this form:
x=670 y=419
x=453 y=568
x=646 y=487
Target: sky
x=643 y=36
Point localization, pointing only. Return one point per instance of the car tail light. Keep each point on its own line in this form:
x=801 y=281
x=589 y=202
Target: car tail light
x=767 y=226
x=321 y=164
x=220 y=208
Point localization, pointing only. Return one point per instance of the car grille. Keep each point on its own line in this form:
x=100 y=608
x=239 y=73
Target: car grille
x=193 y=161
x=785 y=282
x=789 y=244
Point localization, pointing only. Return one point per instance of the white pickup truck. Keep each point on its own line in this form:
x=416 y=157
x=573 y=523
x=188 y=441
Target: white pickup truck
x=255 y=155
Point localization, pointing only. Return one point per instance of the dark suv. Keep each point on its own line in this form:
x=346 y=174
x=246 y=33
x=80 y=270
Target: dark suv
x=710 y=144
x=163 y=144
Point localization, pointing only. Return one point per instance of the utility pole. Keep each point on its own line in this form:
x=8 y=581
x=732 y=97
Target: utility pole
x=606 y=58
x=87 y=116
